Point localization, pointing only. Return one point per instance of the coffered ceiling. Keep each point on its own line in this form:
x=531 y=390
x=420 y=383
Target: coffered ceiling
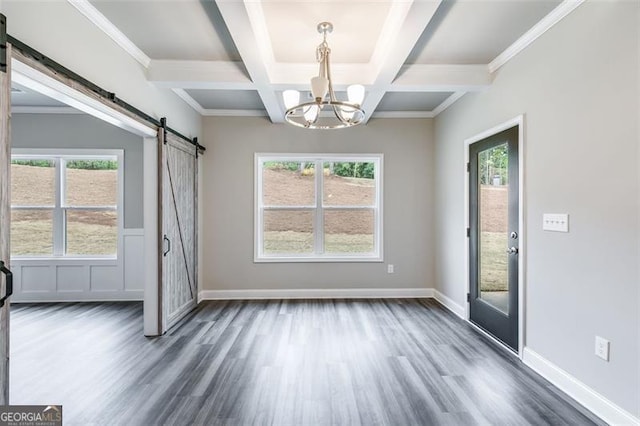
x=235 y=57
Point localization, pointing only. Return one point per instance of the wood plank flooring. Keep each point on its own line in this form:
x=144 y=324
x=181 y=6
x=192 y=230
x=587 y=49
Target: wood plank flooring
x=302 y=362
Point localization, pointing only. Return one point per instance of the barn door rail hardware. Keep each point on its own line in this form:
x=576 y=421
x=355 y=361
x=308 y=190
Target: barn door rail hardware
x=109 y=96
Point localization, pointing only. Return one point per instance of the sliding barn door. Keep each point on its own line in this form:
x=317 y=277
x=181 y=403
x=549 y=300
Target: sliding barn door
x=6 y=285
x=178 y=221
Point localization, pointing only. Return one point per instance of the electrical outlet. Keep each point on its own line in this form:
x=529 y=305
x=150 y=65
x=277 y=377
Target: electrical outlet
x=389 y=269
x=602 y=348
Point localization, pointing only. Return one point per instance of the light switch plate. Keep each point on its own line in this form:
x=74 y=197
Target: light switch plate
x=602 y=348
x=558 y=222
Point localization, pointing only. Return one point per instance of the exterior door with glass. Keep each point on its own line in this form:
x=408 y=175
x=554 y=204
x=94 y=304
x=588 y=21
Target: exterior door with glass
x=494 y=235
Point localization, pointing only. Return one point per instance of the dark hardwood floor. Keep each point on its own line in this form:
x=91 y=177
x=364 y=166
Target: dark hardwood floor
x=306 y=362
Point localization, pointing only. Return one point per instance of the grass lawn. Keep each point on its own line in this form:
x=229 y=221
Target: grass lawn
x=493 y=261
x=34 y=238
x=302 y=242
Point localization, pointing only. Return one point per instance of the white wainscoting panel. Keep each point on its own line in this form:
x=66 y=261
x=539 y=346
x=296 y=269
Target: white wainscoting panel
x=133 y=254
x=106 y=278
x=75 y=280
x=72 y=279
x=37 y=279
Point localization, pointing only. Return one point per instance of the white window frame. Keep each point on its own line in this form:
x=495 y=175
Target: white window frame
x=317 y=208
x=60 y=157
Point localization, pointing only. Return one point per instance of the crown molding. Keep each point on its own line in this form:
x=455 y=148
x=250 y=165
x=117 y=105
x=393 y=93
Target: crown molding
x=448 y=102
x=546 y=23
x=217 y=112
x=235 y=113
x=182 y=94
x=101 y=21
x=402 y=114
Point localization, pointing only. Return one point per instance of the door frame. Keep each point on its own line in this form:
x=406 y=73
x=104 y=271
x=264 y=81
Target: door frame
x=47 y=85
x=522 y=254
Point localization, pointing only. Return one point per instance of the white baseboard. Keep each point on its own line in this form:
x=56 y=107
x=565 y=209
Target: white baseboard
x=583 y=394
x=338 y=293
x=107 y=296
x=450 y=304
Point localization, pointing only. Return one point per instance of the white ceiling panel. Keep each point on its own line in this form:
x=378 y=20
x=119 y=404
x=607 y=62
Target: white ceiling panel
x=476 y=31
x=227 y=99
x=172 y=29
x=408 y=101
x=292 y=27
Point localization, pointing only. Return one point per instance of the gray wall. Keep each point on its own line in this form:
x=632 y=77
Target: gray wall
x=228 y=204
x=83 y=131
x=578 y=88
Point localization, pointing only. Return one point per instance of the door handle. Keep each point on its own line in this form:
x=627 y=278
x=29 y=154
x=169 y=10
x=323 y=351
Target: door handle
x=512 y=250
x=168 y=241
x=8 y=281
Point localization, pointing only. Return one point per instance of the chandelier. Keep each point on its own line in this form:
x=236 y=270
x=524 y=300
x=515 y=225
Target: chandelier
x=325 y=111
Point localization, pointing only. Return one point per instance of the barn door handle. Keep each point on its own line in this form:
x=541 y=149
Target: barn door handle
x=168 y=241
x=9 y=282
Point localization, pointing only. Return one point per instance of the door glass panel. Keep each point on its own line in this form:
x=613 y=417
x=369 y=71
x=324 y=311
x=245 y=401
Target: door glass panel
x=493 y=220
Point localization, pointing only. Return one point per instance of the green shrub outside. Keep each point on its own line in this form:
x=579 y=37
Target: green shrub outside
x=357 y=170
x=74 y=164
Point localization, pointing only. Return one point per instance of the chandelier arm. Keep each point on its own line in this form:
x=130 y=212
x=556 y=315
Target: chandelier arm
x=337 y=111
x=332 y=94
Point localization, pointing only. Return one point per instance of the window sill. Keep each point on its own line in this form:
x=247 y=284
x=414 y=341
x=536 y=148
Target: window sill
x=317 y=259
x=67 y=260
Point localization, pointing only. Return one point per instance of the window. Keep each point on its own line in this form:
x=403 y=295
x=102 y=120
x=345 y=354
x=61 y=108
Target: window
x=65 y=205
x=318 y=208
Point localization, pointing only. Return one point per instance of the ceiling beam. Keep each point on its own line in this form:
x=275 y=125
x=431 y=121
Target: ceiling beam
x=298 y=76
x=241 y=28
x=405 y=24
x=221 y=75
